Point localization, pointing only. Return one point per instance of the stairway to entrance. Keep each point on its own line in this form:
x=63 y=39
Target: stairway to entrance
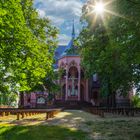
x=72 y=104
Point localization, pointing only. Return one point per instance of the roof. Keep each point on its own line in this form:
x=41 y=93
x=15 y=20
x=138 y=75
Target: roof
x=59 y=50
x=69 y=46
x=62 y=50
x=66 y=50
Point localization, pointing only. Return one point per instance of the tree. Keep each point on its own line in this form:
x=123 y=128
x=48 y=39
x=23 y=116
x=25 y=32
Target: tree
x=110 y=45
x=27 y=44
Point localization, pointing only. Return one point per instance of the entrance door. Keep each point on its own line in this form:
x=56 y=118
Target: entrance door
x=82 y=92
x=63 y=92
x=95 y=97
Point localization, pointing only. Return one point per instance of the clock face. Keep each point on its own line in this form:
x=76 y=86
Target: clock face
x=41 y=100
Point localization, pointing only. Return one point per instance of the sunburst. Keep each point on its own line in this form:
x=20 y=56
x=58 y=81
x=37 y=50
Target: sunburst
x=100 y=8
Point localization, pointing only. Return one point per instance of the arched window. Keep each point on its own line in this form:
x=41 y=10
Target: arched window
x=95 y=78
x=41 y=100
x=73 y=72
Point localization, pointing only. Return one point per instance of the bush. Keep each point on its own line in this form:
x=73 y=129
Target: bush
x=136 y=101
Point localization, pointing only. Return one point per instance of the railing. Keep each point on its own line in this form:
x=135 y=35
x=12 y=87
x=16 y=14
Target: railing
x=122 y=111
x=118 y=111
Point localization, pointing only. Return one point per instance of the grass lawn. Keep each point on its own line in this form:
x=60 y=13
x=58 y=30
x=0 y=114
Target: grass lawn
x=115 y=130
x=41 y=132
x=71 y=125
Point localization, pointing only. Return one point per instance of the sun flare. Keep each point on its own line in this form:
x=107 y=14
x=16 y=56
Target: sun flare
x=99 y=8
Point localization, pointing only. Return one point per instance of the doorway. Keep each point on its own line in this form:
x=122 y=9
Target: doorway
x=82 y=92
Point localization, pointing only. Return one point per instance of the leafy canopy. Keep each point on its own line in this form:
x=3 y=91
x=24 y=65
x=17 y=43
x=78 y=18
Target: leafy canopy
x=110 y=44
x=27 y=44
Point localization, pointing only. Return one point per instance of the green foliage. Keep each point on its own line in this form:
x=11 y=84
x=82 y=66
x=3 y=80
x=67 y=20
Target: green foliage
x=136 y=101
x=49 y=84
x=27 y=44
x=9 y=99
x=110 y=45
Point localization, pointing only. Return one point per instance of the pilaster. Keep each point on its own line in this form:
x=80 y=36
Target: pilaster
x=79 y=81
x=66 y=97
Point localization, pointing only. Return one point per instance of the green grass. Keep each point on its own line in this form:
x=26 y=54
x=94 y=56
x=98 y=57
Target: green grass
x=101 y=130
x=96 y=128
x=42 y=132
x=115 y=130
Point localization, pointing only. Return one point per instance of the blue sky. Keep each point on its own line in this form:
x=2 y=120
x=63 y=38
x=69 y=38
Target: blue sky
x=61 y=13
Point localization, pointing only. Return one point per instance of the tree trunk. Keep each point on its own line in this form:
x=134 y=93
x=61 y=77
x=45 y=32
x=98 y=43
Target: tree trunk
x=114 y=99
x=111 y=98
x=109 y=94
x=21 y=99
x=108 y=100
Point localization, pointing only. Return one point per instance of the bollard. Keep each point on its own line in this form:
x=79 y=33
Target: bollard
x=8 y=113
x=26 y=114
x=3 y=114
x=18 y=116
x=23 y=115
x=47 y=115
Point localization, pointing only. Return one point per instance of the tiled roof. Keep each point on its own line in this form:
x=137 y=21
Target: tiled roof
x=66 y=50
x=59 y=50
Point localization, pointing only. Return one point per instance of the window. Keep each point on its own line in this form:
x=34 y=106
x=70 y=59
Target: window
x=95 y=78
x=41 y=100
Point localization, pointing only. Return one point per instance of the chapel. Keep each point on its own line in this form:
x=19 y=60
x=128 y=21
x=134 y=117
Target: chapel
x=74 y=86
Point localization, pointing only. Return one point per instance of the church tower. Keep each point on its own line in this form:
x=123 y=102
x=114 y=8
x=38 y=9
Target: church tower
x=71 y=49
x=73 y=85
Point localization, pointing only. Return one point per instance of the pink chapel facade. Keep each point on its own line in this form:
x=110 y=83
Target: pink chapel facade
x=74 y=87
x=33 y=100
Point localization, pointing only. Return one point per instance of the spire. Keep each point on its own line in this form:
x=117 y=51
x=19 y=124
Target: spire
x=71 y=49
x=73 y=30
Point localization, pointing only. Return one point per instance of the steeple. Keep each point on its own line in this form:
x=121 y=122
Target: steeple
x=71 y=49
x=73 y=30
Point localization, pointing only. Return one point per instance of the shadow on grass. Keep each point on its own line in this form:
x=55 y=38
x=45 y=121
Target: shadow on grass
x=71 y=118
x=42 y=132
x=116 y=130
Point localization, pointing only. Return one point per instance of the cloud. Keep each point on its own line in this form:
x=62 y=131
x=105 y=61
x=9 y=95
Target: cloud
x=60 y=10
x=64 y=39
x=41 y=13
x=61 y=13
x=56 y=20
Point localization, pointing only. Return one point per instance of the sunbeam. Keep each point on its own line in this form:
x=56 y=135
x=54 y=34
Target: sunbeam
x=100 y=8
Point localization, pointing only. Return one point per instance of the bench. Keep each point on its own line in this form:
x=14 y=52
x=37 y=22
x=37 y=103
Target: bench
x=22 y=113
